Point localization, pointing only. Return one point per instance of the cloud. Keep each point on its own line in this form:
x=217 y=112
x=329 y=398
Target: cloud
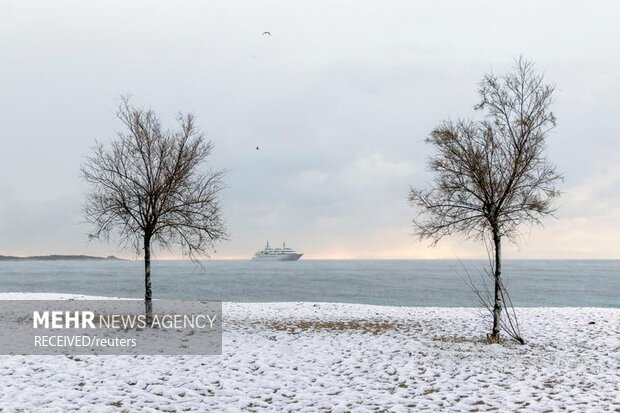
x=597 y=195
x=51 y=225
x=339 y=100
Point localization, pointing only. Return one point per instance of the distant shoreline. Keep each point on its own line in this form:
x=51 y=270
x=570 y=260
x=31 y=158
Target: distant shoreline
x=59 y=258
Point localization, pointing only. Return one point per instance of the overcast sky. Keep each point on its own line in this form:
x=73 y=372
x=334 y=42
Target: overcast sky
x=339 y=99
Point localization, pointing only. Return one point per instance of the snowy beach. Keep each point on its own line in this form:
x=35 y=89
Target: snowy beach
x=339 y=358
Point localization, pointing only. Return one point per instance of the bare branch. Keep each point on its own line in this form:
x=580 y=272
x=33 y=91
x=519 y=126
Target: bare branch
x=149 y=182
x=492 y=176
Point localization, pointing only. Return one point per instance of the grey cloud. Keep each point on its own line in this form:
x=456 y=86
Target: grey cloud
x=339 y=101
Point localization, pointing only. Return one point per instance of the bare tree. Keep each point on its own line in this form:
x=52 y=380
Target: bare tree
x=148 y=186
x=492 y=175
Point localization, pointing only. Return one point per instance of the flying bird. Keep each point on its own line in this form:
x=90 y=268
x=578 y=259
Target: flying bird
x=257 y=148
x=264 y=33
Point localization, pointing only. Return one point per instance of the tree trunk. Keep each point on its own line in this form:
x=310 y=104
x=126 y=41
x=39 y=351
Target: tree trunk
x=497 y=275
x=148 y=305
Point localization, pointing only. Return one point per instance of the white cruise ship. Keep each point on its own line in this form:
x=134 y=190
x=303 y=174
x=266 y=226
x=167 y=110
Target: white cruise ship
x=277 y=254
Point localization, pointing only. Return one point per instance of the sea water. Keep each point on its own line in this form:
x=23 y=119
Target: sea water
x=590 y=283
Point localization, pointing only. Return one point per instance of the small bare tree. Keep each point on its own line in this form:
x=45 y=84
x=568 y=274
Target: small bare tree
x=148 y=186
x=492 y=175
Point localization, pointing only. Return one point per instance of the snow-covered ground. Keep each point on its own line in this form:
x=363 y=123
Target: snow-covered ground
x=343 y=357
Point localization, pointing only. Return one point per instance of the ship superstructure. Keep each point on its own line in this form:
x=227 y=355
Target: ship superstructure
x=277 y=254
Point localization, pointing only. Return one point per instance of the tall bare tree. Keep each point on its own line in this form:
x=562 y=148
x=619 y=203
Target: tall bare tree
x=492 y=175
x=149 y=186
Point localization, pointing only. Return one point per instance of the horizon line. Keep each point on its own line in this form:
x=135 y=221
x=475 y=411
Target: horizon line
x=207 y=258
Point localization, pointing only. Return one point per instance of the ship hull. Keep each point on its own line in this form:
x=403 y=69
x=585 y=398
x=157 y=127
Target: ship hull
x=278 y=257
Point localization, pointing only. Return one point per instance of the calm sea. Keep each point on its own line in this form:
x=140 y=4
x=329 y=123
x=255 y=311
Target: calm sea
x=399 y=282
